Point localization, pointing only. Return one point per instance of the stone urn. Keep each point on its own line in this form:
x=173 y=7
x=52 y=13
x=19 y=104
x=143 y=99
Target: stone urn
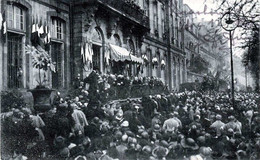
x=42 y=98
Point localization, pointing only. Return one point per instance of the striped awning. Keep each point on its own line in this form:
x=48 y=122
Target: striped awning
x=137 y=59
x=119 y=53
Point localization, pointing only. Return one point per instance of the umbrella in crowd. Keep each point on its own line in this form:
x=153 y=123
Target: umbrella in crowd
x=88 y=125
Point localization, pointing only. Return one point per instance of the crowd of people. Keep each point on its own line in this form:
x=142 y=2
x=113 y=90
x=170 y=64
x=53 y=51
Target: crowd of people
x=113 y=86
x=187 y=125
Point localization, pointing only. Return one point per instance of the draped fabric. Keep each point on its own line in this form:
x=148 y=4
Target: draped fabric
x=86 y=53
x=107 y=56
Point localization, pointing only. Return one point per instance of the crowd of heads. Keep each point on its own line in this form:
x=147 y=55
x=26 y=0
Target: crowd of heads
x=186 y=125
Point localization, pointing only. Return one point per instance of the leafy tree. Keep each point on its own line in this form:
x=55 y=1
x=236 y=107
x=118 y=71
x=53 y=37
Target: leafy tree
x=251 y=58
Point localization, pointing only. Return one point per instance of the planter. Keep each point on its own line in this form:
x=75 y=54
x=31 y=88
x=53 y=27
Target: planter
x=41 y=97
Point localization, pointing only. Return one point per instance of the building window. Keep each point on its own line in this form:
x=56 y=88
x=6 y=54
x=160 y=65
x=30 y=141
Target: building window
x=57 y=29
x=56 y=55
x=131 y=47
x=16 y=17
x=163 y=22
x=146 y=7
x=155 y=17
x=15 y=60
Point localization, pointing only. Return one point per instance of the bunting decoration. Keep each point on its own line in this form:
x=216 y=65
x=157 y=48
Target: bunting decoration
x=1 y=20
x=86 y=54
x=107 y=56
x=40 y=33
x=3 y=27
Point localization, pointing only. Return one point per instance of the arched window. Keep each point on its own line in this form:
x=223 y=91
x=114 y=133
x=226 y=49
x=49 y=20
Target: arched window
x=97 y=46
x=131 y=47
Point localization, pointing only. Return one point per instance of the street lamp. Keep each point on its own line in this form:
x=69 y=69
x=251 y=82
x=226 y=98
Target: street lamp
x=229 y=22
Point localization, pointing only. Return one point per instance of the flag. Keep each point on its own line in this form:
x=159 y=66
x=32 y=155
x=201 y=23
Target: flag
x=1 y=20
x=82 y=53
x=4 y=27
x=41 y=30
x=107 y=56
x=3 y=24
x=90 y=52
x=33 y=25
x=86 y=52
x=45 y=34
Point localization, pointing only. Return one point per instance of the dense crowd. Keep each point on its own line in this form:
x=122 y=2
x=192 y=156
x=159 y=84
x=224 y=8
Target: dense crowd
x=187 y=125
x=107 y=87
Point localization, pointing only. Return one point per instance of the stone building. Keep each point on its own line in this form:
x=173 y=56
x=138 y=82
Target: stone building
x=19 y=21
x=202 y=48
x=138 y=38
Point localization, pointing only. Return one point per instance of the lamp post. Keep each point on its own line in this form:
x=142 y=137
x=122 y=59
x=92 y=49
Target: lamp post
x=229 y=22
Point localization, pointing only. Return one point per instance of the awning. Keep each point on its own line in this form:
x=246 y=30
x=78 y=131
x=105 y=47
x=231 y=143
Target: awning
x=137 y=59
x=119 y=53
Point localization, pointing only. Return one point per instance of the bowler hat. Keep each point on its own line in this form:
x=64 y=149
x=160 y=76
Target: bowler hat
x=160 y=152
x=189 y=143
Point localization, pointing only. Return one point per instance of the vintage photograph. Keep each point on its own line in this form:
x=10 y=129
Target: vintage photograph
x=129 y=79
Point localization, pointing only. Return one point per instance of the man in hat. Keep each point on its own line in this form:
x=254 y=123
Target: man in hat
x=156 y=119
x=149 y=106
x=232 y=125
x=172 y=125
x=79 y=118
x=195 y=128
x=217 y=125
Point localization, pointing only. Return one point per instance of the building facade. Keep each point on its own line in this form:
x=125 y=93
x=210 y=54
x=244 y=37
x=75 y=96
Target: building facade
x=138 y=38
x=19 y=19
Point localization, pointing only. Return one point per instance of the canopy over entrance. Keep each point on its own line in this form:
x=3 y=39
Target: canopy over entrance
x=121 y=54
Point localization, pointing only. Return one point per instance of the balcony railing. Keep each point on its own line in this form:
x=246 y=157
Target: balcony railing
x=128 y=9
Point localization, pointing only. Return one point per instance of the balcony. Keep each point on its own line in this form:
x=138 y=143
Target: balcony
x=128 y=9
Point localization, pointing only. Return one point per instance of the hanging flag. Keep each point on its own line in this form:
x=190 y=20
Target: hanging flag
x=49 y=37
x=41 y=28
x=36 y=24
x=33 y=25
x=90 y=52
x=107 y=56
x=4 y=27
x=3 y=23
x=86 y=52
x=1 y=20
x=83 y=54
x=45 y=34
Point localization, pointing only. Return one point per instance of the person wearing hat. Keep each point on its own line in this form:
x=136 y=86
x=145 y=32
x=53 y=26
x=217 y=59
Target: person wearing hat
x=189 y=145
x=195 y=128
x=172 y=125
x=217 y=125
x=156 y=119
x=205 y=153
x=149 y=105
x=79 y=119
x=160 y=152
x=231 y=125
x=93 y=129
x=63 y=121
